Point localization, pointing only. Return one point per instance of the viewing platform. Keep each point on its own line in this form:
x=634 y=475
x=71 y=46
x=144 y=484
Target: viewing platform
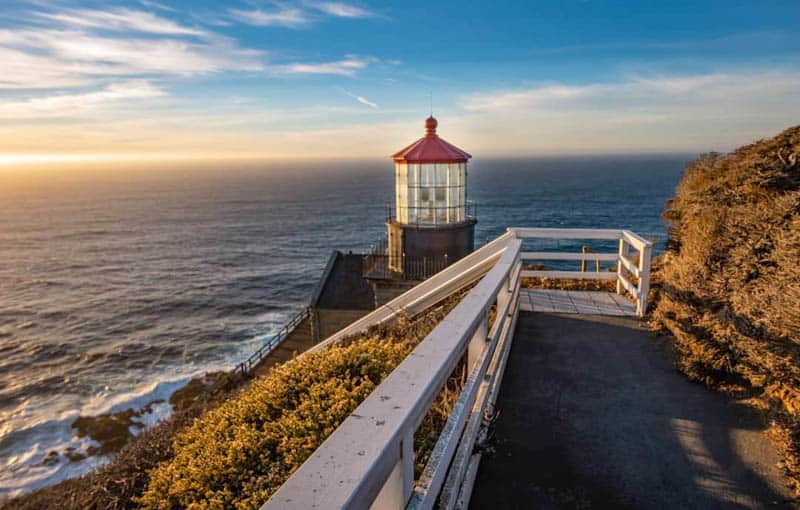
x=569 y=402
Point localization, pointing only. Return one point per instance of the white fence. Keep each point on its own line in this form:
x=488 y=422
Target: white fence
x=638 y=266
x=368 y=461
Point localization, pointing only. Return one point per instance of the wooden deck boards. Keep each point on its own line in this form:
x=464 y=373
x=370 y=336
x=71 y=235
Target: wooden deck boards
x=575 y=302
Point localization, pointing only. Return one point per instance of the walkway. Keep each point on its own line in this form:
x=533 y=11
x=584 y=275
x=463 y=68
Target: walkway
x=592 y=414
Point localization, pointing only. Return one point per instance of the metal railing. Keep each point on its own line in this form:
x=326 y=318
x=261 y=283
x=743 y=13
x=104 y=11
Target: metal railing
x=433 y=215
x=271 y=343
x=378 y=264
x=414 y=268
x=368 y=461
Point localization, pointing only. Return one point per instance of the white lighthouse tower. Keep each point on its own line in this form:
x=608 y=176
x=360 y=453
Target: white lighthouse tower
x=432 y=225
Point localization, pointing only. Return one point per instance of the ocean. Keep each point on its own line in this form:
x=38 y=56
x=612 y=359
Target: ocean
x=117 y=285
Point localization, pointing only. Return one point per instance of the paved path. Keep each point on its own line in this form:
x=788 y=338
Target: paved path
x=593 y=415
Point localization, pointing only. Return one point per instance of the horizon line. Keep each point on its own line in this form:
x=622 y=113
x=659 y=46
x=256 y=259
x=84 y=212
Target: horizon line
x=26 y=159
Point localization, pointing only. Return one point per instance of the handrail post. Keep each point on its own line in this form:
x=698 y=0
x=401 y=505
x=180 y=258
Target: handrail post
x=623 y=252
x=399 y=486
x=478 y=341
x=644 y=278
x=584 y=250
x=504 y=294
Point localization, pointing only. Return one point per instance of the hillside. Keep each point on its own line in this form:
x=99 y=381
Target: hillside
x=729 y=283
x=232 y=444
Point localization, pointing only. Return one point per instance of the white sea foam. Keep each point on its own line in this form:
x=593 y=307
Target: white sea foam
x=24 y=449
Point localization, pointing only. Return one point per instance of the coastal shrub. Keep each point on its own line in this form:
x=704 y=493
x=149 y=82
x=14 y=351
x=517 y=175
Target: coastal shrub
x=729 y=282
x=239 y=454
x=122 y=482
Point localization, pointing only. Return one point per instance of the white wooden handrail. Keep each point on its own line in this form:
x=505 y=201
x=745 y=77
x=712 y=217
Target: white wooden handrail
x=554 y=255
x=368 y=461
x=630 y=266
x=627 y=240
x=566 y=233
x=569 y=275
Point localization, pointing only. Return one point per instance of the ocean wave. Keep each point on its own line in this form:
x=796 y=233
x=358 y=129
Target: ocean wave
x=31 y=434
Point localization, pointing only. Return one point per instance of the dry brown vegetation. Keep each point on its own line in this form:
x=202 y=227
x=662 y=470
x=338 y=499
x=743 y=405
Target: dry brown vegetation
x=728 y=286
x=566 y=284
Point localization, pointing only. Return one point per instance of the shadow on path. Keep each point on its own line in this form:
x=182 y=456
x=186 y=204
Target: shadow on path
x=593 y=415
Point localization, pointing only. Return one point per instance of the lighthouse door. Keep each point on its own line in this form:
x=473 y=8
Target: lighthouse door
x=396 y=249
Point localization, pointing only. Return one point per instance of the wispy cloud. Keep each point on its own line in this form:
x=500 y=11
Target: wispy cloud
x=363 y=100
x=298 y=16
x=342 y=10
x=65 y=105
x=69 y=47
x=639 y=93
x=156 y=5
x=513 y=99
x=659 y=112
x=120 y=19
x=284 y=16
x=345 y=67
x=53 y=58
x=25 y=70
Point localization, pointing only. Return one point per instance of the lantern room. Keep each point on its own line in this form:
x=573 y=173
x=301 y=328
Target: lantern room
x=431 y=181
x=432 y=225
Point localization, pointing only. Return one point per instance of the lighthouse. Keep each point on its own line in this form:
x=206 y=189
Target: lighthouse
x=430 y=226
x=433 y=224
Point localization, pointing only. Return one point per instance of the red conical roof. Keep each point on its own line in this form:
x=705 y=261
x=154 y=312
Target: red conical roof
x=431 y=149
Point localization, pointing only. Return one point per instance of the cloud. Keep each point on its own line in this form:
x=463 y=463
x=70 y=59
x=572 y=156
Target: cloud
x=156 y=5
x=346 y=67
x=22 y=70
x=81 y=47
x=513 y=99
x=121 y=20
x=54 y=58
x=285 y=17
x=342 y=10
x=363 y=100
x=641 y=94
x=66 y=105
x=297 y=17
x=644 y=112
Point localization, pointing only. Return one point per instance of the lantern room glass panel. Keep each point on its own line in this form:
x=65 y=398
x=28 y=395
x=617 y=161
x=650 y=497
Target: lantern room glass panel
x=430 y=193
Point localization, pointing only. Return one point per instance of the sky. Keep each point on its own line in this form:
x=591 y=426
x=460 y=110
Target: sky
x=147 y=79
